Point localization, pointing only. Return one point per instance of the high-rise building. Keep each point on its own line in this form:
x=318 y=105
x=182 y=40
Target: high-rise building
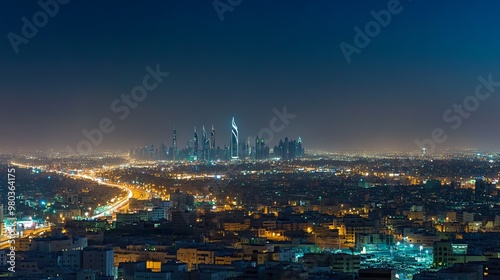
x=152 y=151
x=205 y=150
x=257 y=148
x=174 y=144
x=286 y=150
x=234 y=141
x=289 y=149
x=243 y=150
x=300 y=149
x=195 y=145
x=260 y=151
x=483 y=189
x=212 y=144
x=98 y=259
x=163 y=151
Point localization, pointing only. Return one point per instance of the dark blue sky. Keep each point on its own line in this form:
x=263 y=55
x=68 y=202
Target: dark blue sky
x=264 y=55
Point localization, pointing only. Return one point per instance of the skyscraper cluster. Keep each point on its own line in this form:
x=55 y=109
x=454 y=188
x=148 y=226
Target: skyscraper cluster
x=206 y=150
x=289 y=149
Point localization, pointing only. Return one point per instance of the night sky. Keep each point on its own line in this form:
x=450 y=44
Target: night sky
x=263 y=55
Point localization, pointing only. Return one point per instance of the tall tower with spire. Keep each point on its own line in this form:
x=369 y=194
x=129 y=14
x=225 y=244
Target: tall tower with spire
x=212 y=143
x=204 y=145
x=234 y=141
x=300 y=148
x=195 y=145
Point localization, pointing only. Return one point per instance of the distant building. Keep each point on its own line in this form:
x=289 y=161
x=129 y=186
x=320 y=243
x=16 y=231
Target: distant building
x=234 y=141
x=194 y=257
x=205 y=145
x=483 y=189
x=376 y=274
x=58 y=244
x=3 y=258
x=195 y=145
x=174 y=145
x=72 y=259
x=183 y=222
x=261 y=151
x=355 y=225
x=212 y=153
x=80 y=275
x=493 y=268
x=288 y=149
x=98 y=259
x=150 y=275
x=449 y=253
x=346 y=263
x=127 y=218
x=463 y=271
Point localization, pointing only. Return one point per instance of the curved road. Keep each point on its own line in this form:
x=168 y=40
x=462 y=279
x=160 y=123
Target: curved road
x=132 y=192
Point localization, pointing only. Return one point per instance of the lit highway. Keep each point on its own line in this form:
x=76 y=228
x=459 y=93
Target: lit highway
x=115 y=206
x=4 y=242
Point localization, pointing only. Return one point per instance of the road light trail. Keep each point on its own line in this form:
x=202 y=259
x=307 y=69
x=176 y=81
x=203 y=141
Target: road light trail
x=111 y=208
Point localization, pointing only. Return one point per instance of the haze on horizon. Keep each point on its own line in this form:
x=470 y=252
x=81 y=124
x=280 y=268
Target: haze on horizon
x=263 y=55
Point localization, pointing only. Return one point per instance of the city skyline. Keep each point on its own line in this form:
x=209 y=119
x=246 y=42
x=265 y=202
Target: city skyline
x=252 y=140
x=254 y=147
x=391 y=92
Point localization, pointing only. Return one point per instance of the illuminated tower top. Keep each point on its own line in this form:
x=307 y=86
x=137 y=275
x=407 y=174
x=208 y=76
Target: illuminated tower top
x=234 y=140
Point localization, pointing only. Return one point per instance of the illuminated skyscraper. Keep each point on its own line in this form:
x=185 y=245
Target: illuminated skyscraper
x=152 y=151
x=205 y=145
x=260 y=148
x=195 y=145
x=163 y=152
x=174 y=144
x=257 y=148
x=234 y=141
x=300 y=148
x=289 y=149
x=212 y=144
